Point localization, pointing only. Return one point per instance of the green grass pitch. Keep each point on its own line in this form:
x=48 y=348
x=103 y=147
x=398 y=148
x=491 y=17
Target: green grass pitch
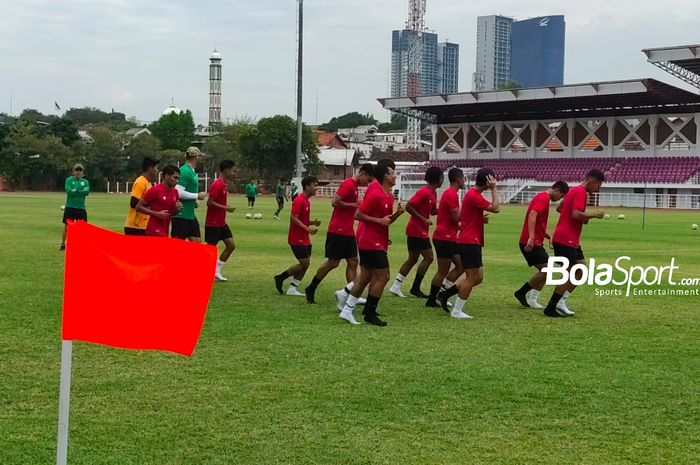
x=276 y=381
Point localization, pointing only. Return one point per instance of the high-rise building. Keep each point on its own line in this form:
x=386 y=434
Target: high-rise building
x=530 y=52
x=439 y=66
x=537 y=52
x=492 y=52
x=214 y=90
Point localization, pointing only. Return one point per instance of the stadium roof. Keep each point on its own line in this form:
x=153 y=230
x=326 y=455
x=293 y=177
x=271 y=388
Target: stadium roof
x=596 y=99
x=682 y=61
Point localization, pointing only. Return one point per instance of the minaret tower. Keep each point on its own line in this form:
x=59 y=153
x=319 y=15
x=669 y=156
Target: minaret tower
x=214 y=90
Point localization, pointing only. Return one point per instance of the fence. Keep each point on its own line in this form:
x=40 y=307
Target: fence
x=626 y=200
x=124 y=187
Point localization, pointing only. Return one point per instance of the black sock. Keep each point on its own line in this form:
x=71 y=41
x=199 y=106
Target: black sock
x=447 y=293
x=314 y=283
x=371 y=305
x=434 y=291
x=284 y=275
x=418 y=280
x=554 y=300
x=525 y=289
x=347 y=291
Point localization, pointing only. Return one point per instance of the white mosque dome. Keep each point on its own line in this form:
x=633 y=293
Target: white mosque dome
x=172 y=109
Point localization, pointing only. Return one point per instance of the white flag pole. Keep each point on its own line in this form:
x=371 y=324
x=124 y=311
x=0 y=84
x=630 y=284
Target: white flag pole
x=64 y=402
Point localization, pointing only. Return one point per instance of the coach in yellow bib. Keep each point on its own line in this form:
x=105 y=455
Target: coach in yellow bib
x=136 y=222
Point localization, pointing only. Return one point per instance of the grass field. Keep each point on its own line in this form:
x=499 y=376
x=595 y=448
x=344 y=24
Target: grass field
x=276 y=381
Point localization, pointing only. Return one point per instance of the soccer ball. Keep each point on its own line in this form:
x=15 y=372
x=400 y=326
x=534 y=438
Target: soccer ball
x=607 y=216
x=63 y=207
x=621 y=217
x=694 y=227
x=248 y=216
x=258 y=216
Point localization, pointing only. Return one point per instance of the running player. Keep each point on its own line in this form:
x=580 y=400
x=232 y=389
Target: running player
x=136 y=222
x=280 y=195
x=567 y=236
x=251 y=192
x=300 y=227
x=421 y=206
x=471 y=240
x=185 y=224
x=340 y=240
x=532 y=242
x=77 y=188
x=376 y=213
x=161 y=202
x=215 y=227
x=445 y=238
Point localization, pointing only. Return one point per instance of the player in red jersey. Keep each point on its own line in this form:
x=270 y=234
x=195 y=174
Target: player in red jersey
x=300 y=228
x=340 y=240
x=532 y=240
x=421 y=206
x=342 y=295
x=376 y=212
x=471 y=239
x=161 y=202
x=215 y=227
x=445 y=238
x=567 y=235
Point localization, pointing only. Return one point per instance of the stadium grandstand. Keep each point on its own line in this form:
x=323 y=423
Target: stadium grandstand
x=644 y=135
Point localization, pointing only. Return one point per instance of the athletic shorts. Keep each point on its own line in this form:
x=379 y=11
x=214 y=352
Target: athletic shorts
x=445 y=249
x=418 y=244
x=339 y=247
x=251 y=199
x=183 y=228
x=374 y=259
x=537 y=256
x=214 y=234
x=280 y=201
x=74 y=214
x=470 y=254
x=134 y=231
x=574 y=254
x=301 y=251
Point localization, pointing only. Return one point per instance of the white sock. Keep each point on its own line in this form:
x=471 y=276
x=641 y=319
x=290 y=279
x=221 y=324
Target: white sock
x=534 y=294
x=459 y=305
x=219 y=265
x=566 y=295
x=295 y=282
x=350 y=303
x=399 y=280
x=349 y=285
x=447 y=284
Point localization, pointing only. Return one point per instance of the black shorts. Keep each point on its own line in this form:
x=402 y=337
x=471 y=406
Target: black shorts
x=418 y=244
x=339 y=247
x=214 y=234
x=280 y=202
x=183 y=228
x=470 y=254
x=574 y=254
x=74 y=214
x=374 y=259
x=251 y=199
x=445 y=249
x=134 y=231
x=537 y=256
x=301 y=251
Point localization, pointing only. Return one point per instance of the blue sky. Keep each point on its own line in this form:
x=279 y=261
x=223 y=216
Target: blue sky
x=135 y=56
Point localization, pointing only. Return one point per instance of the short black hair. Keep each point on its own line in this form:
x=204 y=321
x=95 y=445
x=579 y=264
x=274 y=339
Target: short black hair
x=308 y=180
x=380 y=172
x=596 y=174
x=387 y=162
x=367 y=168
x=433 y=175
x=561 y=186
x=169 y=170
x=454 y=174
x=226 y=165
x=149 y=162
x=482 y=174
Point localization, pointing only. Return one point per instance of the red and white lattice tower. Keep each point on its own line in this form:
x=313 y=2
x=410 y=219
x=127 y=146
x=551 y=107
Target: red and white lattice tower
x=415 y=25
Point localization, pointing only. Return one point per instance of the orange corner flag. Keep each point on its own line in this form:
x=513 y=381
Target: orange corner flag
x=135 y=292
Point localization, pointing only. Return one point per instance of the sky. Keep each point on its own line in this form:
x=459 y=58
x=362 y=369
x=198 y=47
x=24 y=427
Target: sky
x=136 y=57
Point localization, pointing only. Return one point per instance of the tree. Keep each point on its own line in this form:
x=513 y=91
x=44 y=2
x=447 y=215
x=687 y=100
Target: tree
x=35 y=116
x=348 y=120
x=139 y=148
x=65 y=129
x=175 y=131
x=510 y=84
x=269 y=149
x=397 y=123
x=113 y=120
x=107 y=153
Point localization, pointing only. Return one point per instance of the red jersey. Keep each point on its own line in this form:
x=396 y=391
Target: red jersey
x=160 y=198
x=471 y=216
x=446 y=229
x=218 y=192
x=373 y=236
x=539 y=204
x=301 y=208
x=343 y=219
x=424 y=201
x=568 y=230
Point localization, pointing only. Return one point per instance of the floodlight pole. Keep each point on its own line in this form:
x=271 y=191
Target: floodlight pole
x=300 y=62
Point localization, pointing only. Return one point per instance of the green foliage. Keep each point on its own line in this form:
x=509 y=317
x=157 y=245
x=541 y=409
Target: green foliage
x=139 y=148
x=35 y=116
x=175 y=131
x=65 y=129
x=348 y=120
x=510 y=84
x=171 y=157
x=397 y=123
x=94 y=116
